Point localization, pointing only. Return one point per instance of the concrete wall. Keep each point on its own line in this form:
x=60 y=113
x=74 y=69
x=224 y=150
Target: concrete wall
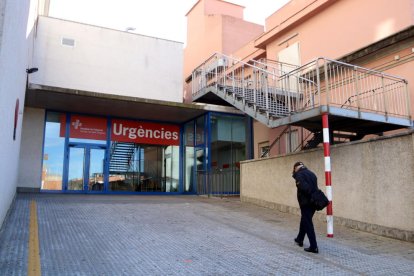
x=107 y=61
x=16 y=27
x=373 y=186
x=30 y=164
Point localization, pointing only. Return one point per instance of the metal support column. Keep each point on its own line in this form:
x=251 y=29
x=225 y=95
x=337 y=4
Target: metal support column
x=328 y=183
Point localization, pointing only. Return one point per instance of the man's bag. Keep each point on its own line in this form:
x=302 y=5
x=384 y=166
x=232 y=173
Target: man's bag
x=319 y=200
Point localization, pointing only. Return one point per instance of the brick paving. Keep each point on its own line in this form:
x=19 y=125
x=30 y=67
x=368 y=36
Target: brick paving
x=185 y=235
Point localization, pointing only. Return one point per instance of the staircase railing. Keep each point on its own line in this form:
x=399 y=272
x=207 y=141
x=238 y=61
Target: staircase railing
x=255 y=84
x=289 y=78
x=353 y=87
x=322 y=81
x=121 y=155
x=277 y=139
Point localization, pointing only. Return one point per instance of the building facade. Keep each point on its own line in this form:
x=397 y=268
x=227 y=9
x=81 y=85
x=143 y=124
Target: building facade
x=110 y=106
x=303 y=31
x=311 y=62
x=93 y=110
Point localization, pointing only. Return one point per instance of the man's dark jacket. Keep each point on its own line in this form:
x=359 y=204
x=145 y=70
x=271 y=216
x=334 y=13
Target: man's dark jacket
x=306 y=182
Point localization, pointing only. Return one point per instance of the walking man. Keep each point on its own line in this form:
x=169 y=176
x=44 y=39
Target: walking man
x=306 y=183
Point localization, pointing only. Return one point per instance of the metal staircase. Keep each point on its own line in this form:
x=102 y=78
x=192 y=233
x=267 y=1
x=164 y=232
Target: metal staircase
x=120 y=157
x=358 y=100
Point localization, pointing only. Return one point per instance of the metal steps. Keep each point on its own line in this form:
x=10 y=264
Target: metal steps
x=358 y=100
x=120 y=157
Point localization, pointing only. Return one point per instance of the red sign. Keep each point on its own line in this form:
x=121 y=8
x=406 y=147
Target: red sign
x=85 y=127
x=145 y=133
x=95 y=128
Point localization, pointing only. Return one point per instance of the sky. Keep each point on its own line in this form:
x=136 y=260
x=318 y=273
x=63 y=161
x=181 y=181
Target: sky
x=158 y=18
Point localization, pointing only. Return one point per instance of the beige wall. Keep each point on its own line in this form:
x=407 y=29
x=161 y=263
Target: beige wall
x=233 y=38
x=327 y=34
x=372 y=182
x=30 y=162
x=107 y=61
x=223 y=7
x=214 y=26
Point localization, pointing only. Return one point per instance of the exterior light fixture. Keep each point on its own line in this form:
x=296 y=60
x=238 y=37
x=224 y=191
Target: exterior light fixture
x=32 y=70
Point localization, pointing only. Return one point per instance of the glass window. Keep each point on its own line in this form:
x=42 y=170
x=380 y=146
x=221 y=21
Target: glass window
x=189 y=156
x=171 y=161
x=53 y=151
x=199 y=131
x=228 y=148
x=143 y=168
x=292 y=141
x=264 y=149
x=76 y=169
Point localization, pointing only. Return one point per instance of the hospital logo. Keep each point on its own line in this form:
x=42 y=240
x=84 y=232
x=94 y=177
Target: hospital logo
x=76 y=124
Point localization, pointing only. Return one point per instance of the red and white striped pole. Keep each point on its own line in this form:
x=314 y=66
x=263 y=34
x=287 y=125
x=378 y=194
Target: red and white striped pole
x=328 y=183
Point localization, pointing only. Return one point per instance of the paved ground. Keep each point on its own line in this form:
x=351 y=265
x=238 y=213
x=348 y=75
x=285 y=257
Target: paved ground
x=184 y=235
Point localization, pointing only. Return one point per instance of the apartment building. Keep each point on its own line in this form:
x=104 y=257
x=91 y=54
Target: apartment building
x=347 y=63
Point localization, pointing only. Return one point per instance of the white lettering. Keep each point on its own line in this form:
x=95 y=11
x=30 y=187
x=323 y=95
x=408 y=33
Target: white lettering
x=124 y=131
x=132 y=133
x=141 y=132
x=117 y=132
x=148 y=133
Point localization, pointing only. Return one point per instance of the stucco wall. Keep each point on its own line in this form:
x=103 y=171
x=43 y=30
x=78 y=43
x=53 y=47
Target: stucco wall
x=365 y=21
x=16 y=31
x=372 y=183
x=214 y=26
x=107 y=61
x=30 y=164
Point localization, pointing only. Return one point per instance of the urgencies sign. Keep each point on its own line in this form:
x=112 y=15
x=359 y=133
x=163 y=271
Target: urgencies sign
x=145 y=133
x=86 y=127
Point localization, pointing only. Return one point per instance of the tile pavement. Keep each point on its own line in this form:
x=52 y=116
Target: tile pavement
x=184 y=235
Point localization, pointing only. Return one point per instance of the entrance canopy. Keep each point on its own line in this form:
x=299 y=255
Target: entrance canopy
x=86 y=102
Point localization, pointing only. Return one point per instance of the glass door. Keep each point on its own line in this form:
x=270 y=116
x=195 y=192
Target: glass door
x=76 y=170
x=86 y=165
x=96 y=169
x=201 y=172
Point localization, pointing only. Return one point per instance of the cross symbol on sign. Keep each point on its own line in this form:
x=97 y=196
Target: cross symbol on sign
x=77 y=124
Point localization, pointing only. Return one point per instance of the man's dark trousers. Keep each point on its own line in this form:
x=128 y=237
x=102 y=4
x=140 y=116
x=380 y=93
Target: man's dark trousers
x=306 y=226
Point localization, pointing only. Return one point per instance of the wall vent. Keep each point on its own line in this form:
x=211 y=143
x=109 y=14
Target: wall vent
x=68 y=42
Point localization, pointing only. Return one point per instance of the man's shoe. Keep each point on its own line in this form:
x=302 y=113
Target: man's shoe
x=313 y=250
x=298 y=243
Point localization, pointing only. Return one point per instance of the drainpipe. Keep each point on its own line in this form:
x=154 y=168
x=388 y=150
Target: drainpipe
x=328 y=183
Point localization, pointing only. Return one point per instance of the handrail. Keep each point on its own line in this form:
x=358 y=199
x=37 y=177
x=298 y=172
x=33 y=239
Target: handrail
x=303 y=140
x=232 y=58
x=275 y=141
x=362 y=68
x=284 y=73
x=260 y=87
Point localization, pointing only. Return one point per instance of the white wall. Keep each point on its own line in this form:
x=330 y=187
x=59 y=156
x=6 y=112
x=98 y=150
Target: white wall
x=30 y=164
x=15 y=53
x=107 y=61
